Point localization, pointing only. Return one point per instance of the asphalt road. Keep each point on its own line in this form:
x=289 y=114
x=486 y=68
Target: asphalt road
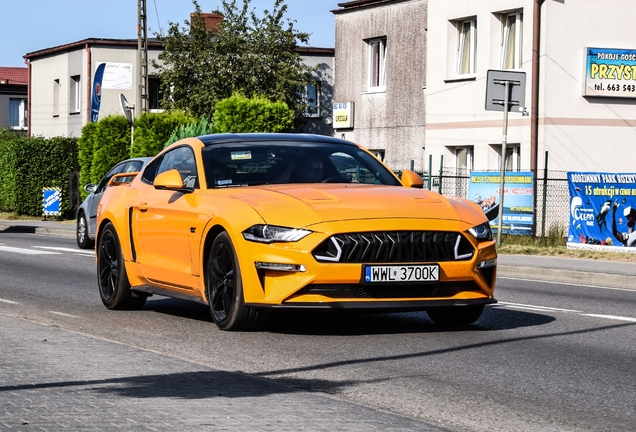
x=548 y=357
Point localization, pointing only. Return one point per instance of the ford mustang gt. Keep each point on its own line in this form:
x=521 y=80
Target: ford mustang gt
x=250 y=223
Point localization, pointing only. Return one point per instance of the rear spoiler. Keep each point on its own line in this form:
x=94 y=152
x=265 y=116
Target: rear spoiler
x=122 y=179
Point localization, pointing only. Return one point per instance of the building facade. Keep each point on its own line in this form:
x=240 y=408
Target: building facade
x=13 y=97
x=381 y=78
x=555 y=43
x=62 y=81
x=416 y=74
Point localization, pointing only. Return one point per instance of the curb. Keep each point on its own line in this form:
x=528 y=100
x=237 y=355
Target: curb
x=27 y=229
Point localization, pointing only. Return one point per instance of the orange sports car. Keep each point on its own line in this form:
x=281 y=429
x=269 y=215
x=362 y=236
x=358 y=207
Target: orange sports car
x=250 y=223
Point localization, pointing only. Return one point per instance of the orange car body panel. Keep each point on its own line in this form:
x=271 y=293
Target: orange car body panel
x=169 y=231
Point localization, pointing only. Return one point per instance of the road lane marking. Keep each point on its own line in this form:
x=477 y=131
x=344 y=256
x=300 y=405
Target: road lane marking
x=8 y=301
x=27 y=251
x=568 y=283
x=63 y=314
x=535 y=307
x=63 y=249
x=612 y=317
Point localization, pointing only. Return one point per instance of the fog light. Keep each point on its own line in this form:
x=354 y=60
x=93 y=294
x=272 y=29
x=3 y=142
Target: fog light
x=280 y=267
x=487 y=263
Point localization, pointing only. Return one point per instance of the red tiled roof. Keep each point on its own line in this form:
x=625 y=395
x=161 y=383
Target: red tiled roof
x=14 y=75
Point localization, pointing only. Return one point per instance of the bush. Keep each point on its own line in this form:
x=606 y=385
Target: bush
x=240 y=114
x=201 y=127
x=111 y=144
x=32 y=164
x=154 y=130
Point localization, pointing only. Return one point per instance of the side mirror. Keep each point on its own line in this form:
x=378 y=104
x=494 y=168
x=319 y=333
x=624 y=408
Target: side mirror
x=90 y=188
x=411 y=179
x=170 y=180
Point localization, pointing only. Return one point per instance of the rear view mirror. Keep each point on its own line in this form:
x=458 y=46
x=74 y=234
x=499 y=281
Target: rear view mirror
x=170 y=180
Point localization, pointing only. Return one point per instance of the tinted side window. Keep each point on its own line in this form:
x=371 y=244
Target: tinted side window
x=182 y=159
x=150 y=172
x=104 y=182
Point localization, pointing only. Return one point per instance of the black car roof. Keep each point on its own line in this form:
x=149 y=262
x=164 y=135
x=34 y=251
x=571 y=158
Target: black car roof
x=269 y=137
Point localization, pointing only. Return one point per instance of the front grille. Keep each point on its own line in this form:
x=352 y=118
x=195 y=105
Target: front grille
x=387 y=291
x=394 y=247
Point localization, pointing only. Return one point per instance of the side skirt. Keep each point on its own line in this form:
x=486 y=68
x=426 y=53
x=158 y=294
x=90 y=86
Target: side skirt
x=151 y=290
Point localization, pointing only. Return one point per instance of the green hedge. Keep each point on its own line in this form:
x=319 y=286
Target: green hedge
x=153 y=131
x=31 y=164
x=240 y=114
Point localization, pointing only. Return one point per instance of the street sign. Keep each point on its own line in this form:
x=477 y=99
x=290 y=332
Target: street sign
x=495 y=90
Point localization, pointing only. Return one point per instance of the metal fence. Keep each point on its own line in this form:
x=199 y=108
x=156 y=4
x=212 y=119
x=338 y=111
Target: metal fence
x=552 y=194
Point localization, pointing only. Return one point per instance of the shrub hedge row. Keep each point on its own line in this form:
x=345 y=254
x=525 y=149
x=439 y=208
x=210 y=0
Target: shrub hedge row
x=27 y=165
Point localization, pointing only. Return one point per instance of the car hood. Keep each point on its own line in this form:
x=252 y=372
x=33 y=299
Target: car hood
x=302 y=205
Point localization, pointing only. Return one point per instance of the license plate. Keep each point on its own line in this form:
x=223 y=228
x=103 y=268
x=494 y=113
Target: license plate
x=401 y=273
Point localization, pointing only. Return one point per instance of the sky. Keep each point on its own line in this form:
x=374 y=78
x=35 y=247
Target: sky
x=32 y=25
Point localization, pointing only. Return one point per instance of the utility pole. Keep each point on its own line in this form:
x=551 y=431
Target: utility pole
x=142 y=58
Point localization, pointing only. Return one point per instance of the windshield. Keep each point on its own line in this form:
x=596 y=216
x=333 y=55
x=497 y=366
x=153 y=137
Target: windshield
x=258 y=163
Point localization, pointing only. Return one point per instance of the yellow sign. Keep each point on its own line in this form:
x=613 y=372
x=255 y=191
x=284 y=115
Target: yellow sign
x=343 y=115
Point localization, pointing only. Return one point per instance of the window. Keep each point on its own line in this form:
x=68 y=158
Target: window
x=466 y=46
x=513 y=157
x=511 y=40
x=464 y=160
x=181 y=159
x=312 y=99
x=377 y=64
x=75 y=94
x=18 y=113
x=56 y=98
x=154 y=92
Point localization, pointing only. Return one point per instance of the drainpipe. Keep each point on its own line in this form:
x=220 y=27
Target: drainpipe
x=88 y=84
x=534 y=104
x=28 y=63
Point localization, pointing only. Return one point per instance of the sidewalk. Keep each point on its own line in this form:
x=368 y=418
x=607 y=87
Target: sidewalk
x=568 y=270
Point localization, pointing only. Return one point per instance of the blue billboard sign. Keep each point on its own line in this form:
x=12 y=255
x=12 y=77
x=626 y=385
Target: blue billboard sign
x=96 y=98
x=518 y=211
x=602 y=210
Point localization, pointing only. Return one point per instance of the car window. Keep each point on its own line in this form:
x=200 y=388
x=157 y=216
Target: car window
x=133 y=166
x=246 y=164
x=182 y=159
x=104 y=182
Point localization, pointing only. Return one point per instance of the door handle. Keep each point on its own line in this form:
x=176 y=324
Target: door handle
x=143 y=207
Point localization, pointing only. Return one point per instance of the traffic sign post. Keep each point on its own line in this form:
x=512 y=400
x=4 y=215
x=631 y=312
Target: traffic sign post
x=505 y=91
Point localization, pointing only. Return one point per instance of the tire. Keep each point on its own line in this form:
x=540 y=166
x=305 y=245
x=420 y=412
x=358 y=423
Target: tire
x=83 y=241
x=224 y=289
x=114 y=287
x=458 y=315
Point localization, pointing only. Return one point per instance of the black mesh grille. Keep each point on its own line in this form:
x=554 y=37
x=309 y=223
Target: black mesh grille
x=387 y=291
x=394 y=247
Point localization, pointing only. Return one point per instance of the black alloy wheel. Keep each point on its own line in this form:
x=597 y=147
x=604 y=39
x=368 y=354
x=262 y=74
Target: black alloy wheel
x=224 y=288
x=83 y=241
x=114 y=287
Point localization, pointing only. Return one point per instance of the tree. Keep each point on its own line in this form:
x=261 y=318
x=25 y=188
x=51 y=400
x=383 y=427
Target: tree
x=250 y=55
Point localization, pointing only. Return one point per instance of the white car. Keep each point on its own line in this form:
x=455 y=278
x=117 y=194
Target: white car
x=87 y=213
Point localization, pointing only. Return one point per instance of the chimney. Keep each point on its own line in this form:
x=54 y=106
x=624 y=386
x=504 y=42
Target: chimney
x=211 y=20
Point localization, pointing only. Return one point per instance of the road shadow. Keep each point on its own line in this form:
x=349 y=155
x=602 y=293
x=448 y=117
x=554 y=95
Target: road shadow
x=185 y=385
x=343 y=323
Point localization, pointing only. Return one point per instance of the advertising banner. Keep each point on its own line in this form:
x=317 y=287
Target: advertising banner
x=118 y=76
x=518 y=211
x=610 y=72
x=343 y=115
x=96 y=97
x=602 y=210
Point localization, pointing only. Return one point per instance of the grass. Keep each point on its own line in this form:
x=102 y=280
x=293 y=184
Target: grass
x=553 y=244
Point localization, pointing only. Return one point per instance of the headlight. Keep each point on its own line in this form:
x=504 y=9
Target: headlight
x=482 y=232
x=273 y=233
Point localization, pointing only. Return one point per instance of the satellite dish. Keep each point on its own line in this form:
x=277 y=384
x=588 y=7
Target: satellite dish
x=127 y=109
